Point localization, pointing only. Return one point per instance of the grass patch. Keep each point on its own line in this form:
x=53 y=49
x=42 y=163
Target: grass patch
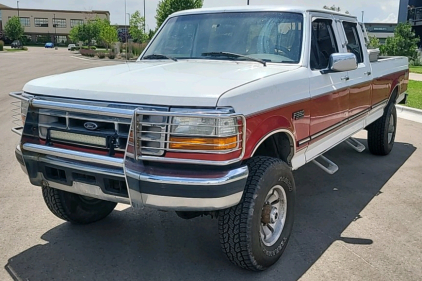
x=414 y=90
x=415 y=69
x=14 y=50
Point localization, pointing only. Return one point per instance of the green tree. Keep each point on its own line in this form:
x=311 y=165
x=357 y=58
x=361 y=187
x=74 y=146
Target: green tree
x=374 y=42
x=87 y=32
x=136 y=27
x=14 y=29
x=334 y=8
x=403 y=43
x=74 y=34
x=168 y=7
x=151 y=34
x=108 y=33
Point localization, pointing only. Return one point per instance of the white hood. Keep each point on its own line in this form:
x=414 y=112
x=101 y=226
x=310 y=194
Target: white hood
x=182 y=83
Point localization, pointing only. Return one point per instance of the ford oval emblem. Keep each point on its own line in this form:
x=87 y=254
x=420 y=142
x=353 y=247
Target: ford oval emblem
x=91 y=126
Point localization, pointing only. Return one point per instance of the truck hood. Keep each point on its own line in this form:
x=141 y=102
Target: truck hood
x=182 y=83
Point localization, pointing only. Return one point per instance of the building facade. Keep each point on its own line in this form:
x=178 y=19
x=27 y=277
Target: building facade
x=411 y=11
x=48 y=25
x=380 y=30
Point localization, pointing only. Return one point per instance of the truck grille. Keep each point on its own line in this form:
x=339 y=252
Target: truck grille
x=73 y=126
x=109 y=133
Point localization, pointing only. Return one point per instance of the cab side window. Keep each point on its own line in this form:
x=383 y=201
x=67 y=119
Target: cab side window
x=353 y=43
x=323 y=43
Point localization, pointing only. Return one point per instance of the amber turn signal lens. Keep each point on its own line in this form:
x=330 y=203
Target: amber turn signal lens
x=203 y=143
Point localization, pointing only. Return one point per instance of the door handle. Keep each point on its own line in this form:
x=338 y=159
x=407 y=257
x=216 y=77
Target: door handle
x=345 y=78
x=367 y=73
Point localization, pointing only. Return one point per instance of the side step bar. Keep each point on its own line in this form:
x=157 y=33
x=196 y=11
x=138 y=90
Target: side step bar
x=330 y=166
x=356 y=145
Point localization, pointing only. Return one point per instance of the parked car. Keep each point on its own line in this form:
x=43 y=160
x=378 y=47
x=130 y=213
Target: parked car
x=16 y=44
x=71 y=46
x=49 y=45
x=212 y=121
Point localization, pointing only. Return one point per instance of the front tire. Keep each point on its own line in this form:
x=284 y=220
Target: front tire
x=382 y=133
x=75 y=208
x=254 y=233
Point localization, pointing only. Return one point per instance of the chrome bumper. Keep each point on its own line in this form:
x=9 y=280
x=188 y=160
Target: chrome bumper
x=162 y=190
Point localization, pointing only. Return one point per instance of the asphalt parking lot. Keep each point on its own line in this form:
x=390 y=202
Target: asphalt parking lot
x=362 y=223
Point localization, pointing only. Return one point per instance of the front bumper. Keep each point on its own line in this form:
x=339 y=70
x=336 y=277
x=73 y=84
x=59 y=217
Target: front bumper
x=107 y=178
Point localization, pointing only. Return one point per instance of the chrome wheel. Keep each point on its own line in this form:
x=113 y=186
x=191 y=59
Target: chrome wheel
x=391 y=128
x=273 y=215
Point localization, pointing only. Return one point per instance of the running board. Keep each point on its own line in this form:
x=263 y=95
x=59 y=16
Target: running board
x=330 y=168
x=356 y=145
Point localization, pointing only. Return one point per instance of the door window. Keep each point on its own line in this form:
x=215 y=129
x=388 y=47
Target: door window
x=323 y=43
x=353 y=42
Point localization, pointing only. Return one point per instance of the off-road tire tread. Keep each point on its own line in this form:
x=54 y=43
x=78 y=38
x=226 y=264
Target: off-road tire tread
x=236 y=244
x=56 y=200
x=53 y=202
x=376 y=133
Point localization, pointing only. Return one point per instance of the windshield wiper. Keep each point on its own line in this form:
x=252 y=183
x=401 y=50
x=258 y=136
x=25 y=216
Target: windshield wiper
x=232 y=55
x=157 y=57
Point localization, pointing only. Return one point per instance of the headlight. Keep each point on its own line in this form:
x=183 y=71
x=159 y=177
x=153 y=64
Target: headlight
x=192 y=126
x=204 y=133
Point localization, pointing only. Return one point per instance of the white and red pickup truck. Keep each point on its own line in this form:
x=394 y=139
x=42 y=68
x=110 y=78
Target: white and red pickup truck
x=212 y=118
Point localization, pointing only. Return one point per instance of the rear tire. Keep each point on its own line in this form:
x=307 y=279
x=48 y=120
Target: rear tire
x=75 y=208
x=382 y=133
x=254 y=233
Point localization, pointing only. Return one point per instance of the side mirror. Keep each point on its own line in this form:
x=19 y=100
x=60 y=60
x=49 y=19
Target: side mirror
x=340 y=62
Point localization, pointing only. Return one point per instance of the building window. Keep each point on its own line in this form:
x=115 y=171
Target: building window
x=60 y=23
x=41 y=22
x=74 y=23
x=61 y=39
x=43 y=39
x=0 y=15
x=25 y=22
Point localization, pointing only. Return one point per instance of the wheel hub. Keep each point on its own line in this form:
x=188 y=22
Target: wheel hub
x=273 y=215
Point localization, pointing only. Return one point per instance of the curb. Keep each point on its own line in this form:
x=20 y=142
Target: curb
x=409 y=113
x=75 y=56
x=409 y=109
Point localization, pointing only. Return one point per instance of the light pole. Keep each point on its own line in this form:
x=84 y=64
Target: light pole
x=362 y=15
x=55 y=30
x=18 y=7
x=127 y=34
x=145 y=16
x=126 y=29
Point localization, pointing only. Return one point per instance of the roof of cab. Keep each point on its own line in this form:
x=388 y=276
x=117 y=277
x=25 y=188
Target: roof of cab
x=292 y=9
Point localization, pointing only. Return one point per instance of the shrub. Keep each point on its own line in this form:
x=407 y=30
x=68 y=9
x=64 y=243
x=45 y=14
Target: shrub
x=25 y=48
x=101 y=55
x=93 y=48
x=75 y=48
x=111 y=56
x=126 y=56
x=87 y=53
x=1 y=45
x=137 y=48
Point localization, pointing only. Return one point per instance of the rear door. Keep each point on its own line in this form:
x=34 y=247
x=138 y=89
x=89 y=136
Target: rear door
x=360 y=80
x=329 y=92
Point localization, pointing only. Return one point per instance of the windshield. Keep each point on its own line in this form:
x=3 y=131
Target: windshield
x=268 y=36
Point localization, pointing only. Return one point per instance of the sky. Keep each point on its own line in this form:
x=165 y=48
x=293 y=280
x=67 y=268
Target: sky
x=374 y=10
